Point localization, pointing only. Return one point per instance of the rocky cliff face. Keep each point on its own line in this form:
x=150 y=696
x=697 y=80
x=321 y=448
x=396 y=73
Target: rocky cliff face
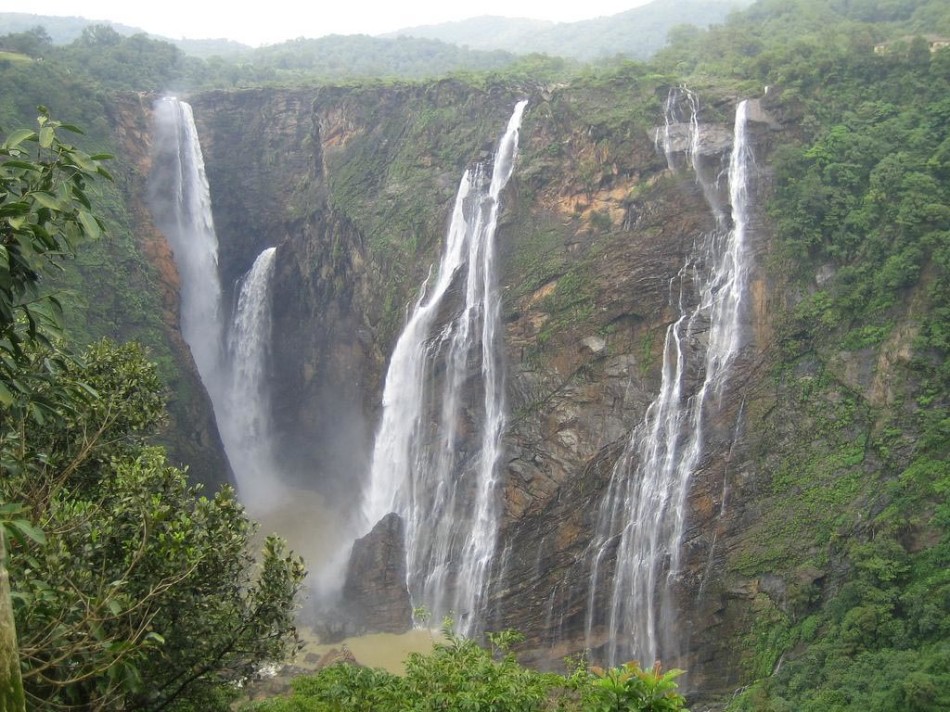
x=354 y=187
x=264 y=156
x=581 y=381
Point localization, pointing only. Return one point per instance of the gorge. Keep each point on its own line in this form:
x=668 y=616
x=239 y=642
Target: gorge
x=640 y=360
x=450 y=458
x=650 y=423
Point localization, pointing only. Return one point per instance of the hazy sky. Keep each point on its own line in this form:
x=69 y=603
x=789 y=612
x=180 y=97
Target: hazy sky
x=257 y=22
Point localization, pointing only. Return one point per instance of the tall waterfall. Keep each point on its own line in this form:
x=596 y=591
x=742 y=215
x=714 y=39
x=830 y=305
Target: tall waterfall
x=435 y=460
x=645 y=505
x=181 y=204
x=231 y=357
x=245 y=426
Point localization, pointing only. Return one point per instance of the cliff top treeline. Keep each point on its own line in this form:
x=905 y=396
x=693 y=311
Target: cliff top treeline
x=120 y=61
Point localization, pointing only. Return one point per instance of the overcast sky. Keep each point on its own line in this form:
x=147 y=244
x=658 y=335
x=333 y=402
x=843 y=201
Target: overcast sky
x=257 y=22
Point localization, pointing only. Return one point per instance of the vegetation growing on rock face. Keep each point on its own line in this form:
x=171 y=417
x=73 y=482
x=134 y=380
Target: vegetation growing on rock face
x=861 y=210
x=852 y=518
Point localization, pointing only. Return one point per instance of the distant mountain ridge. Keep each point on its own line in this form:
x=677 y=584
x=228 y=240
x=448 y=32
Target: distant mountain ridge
x=636 y=33
x=63 y=30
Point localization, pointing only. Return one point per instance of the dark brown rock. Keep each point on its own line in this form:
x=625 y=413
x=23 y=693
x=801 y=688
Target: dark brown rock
x=375 y=595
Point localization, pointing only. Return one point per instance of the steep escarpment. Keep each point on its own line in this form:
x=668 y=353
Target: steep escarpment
x=354 y=188
x=590 y=350
x=274 y=152
x=802 y=446
x=148 y=282
x=595 y=232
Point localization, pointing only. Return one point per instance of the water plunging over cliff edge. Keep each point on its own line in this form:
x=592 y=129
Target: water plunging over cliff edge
x=246 y=426
x=181 y=206
x=444 y=392
x=231 y=361
x=642 y=515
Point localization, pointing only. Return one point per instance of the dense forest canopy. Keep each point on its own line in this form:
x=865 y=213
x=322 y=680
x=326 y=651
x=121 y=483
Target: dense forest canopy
x=861 y=194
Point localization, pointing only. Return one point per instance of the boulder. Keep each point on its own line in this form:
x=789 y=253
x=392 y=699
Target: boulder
x=375 y=594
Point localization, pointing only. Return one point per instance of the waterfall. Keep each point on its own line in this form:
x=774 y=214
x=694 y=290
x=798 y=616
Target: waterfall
x=181 y=204
x=231 y=361
x=435 y=459
x=642 y=516
x=245 y=424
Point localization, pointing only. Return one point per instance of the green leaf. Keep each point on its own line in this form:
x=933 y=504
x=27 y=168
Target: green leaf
x=6 y=397
x=56 y=312
x=90 y=224
x=47 y=200
x=29 y=531
x=22 y=165
x=47 y=134
x=18 y=137
x=18 y=208
x=83 y=161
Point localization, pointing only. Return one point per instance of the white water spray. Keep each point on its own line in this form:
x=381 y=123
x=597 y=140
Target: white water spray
x=182 y=208
x=245 y=427
x=231 y=361
x=444 y=393
x=642 y=517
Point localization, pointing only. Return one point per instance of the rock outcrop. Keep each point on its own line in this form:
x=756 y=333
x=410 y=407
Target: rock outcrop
x=375 y=596
x=354 y=187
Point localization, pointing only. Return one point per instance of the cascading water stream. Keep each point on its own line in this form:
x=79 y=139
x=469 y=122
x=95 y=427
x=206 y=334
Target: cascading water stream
x=231 y=362
x=435 y=407
x=642 y=517
x=245 y=428
x=181 y=204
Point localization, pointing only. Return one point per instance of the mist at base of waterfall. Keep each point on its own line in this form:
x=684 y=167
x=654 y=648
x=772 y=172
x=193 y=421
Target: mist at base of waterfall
x=315 y=530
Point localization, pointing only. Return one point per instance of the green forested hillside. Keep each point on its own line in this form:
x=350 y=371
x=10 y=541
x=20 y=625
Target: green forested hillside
x=860 y=201
x=137 y=62
x=637 y=33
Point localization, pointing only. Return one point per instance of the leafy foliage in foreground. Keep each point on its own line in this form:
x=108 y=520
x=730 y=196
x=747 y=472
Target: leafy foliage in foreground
x=129 y=589
x=141 y=589
x=461 y=675
x=44 y=213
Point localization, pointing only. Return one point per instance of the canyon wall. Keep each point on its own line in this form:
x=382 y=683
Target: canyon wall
x=354 y=187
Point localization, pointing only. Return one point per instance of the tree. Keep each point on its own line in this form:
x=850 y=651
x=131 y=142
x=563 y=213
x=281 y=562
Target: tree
x=142 y=593
x=34 y=42
x=99 y=36
x=461 y=675
x=43 y=212
x=11 y=682
x=628 y=688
